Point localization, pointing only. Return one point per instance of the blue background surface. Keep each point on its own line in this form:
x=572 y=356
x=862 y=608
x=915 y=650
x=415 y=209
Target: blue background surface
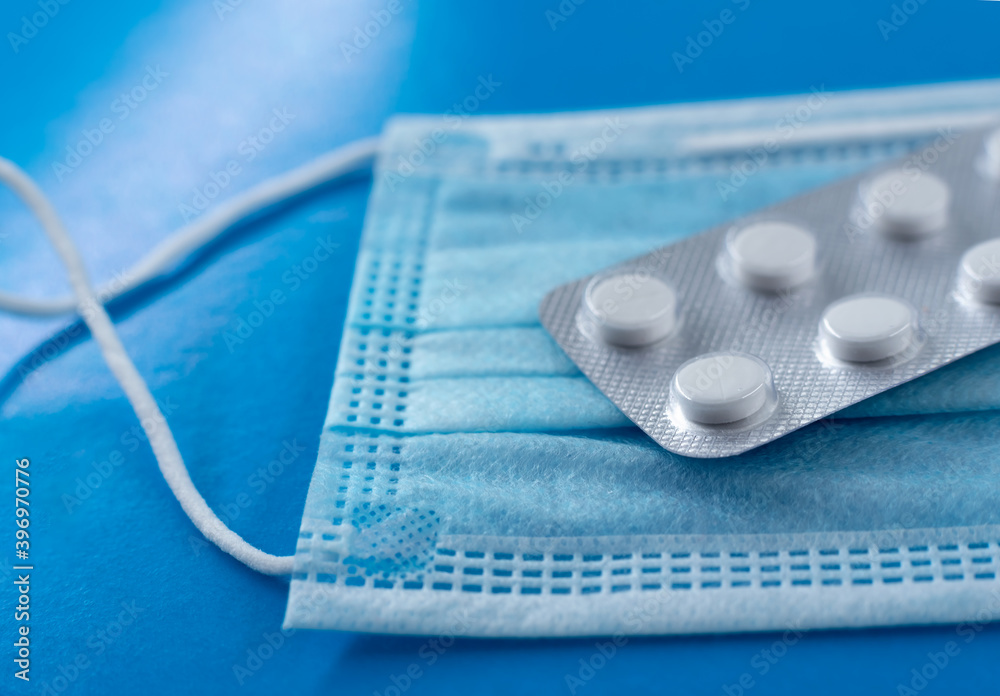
x=198 y=614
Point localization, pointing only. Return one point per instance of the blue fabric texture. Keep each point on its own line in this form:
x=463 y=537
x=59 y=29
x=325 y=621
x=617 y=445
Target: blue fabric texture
x=232 y=409
x=469 y=473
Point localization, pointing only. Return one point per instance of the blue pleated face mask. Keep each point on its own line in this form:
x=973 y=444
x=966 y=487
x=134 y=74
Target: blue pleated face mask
x=469 y=475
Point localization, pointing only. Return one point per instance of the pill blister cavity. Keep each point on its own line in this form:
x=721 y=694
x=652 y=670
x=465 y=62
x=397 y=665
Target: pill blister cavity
x=905 y=204
x=836 y=318
x=631 y=309
x=719 y=388
x=771 y=256
x=868 y=327
x=979 y=272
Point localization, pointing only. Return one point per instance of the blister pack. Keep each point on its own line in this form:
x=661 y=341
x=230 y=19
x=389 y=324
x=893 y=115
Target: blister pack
x=730 y=339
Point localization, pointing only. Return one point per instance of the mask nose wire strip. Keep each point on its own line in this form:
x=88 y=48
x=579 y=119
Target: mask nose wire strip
x=352 y=158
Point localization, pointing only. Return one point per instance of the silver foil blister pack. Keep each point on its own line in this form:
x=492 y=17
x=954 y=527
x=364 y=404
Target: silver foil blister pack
x=732 y=338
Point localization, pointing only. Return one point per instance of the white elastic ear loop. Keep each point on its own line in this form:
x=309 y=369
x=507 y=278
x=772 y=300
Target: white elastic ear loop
x=351 y=158
x=160 y=438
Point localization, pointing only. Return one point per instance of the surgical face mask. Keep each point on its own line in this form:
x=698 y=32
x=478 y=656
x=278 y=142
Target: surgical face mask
x=471 y=479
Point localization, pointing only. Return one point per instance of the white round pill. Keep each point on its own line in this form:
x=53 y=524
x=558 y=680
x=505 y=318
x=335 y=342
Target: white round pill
x=901 y=204
x=990 y=161
x=721 y=387
x=772 y=255
x=979 y=272
x=865 y=328
x=631 y=309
